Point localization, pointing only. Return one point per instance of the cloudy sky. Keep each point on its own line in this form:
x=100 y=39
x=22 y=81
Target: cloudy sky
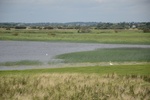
x=74 y=10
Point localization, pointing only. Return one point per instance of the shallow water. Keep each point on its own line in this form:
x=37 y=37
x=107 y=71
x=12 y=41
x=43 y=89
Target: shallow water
x=46 y=51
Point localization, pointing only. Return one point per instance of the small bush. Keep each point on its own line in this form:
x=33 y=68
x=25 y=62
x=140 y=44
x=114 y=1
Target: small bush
x=146 y=30
x=52 y=34
x=8 y=28
x=116 y=31
x=15 y=34
x=84 y=30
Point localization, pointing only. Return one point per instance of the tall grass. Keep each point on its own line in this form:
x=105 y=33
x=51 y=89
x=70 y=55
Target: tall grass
x=74 y=87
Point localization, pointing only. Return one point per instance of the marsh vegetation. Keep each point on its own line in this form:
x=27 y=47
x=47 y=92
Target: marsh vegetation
x=107 y=55
x=74 y=87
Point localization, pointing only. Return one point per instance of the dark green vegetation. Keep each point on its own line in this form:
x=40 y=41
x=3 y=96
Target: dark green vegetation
x=107 y=55
x=78 y=25
x=72 y=35
x=23 y=62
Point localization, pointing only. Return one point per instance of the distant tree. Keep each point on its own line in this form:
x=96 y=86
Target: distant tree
x=20 y=27
x=48 y=27
x=145 y=27
x=15 y=34
x=116 y=31
x=146 y=30
x=148 y=24
x=8 y=28
x=113 y=25
x=60 y=27
x=104 y=26
x=34 y=27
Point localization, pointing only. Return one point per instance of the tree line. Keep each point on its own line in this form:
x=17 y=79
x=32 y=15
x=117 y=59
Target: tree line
x=145 y=26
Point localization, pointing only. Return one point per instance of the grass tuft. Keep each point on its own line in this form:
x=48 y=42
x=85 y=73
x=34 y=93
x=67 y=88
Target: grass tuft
x=18 y=63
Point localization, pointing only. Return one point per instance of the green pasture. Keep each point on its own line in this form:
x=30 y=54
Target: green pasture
x=72 y=35
x=101 y=70
x=108 y=55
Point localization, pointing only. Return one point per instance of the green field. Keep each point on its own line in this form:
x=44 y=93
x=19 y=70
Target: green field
x=107 y=55
x=118 y=69
x=72 y=35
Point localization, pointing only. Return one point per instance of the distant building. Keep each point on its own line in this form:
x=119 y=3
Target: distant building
x=133 y=26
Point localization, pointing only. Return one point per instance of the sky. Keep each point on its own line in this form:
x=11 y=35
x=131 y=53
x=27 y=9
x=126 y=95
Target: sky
x=34 y=11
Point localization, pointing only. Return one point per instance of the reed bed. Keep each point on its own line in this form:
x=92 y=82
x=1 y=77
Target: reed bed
x=56 y=86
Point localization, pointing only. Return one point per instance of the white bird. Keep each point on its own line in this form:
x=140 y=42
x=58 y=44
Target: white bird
x=110 y=63
x=46 y=54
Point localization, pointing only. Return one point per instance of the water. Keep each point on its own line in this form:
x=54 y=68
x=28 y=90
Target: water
x=46 y=51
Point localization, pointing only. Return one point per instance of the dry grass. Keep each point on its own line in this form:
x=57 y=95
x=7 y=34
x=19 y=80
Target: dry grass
x=74 y=87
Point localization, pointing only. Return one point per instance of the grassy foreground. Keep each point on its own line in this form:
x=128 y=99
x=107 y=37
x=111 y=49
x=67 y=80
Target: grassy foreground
x=128 y=82
x=74 y=87
x=72 y=35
